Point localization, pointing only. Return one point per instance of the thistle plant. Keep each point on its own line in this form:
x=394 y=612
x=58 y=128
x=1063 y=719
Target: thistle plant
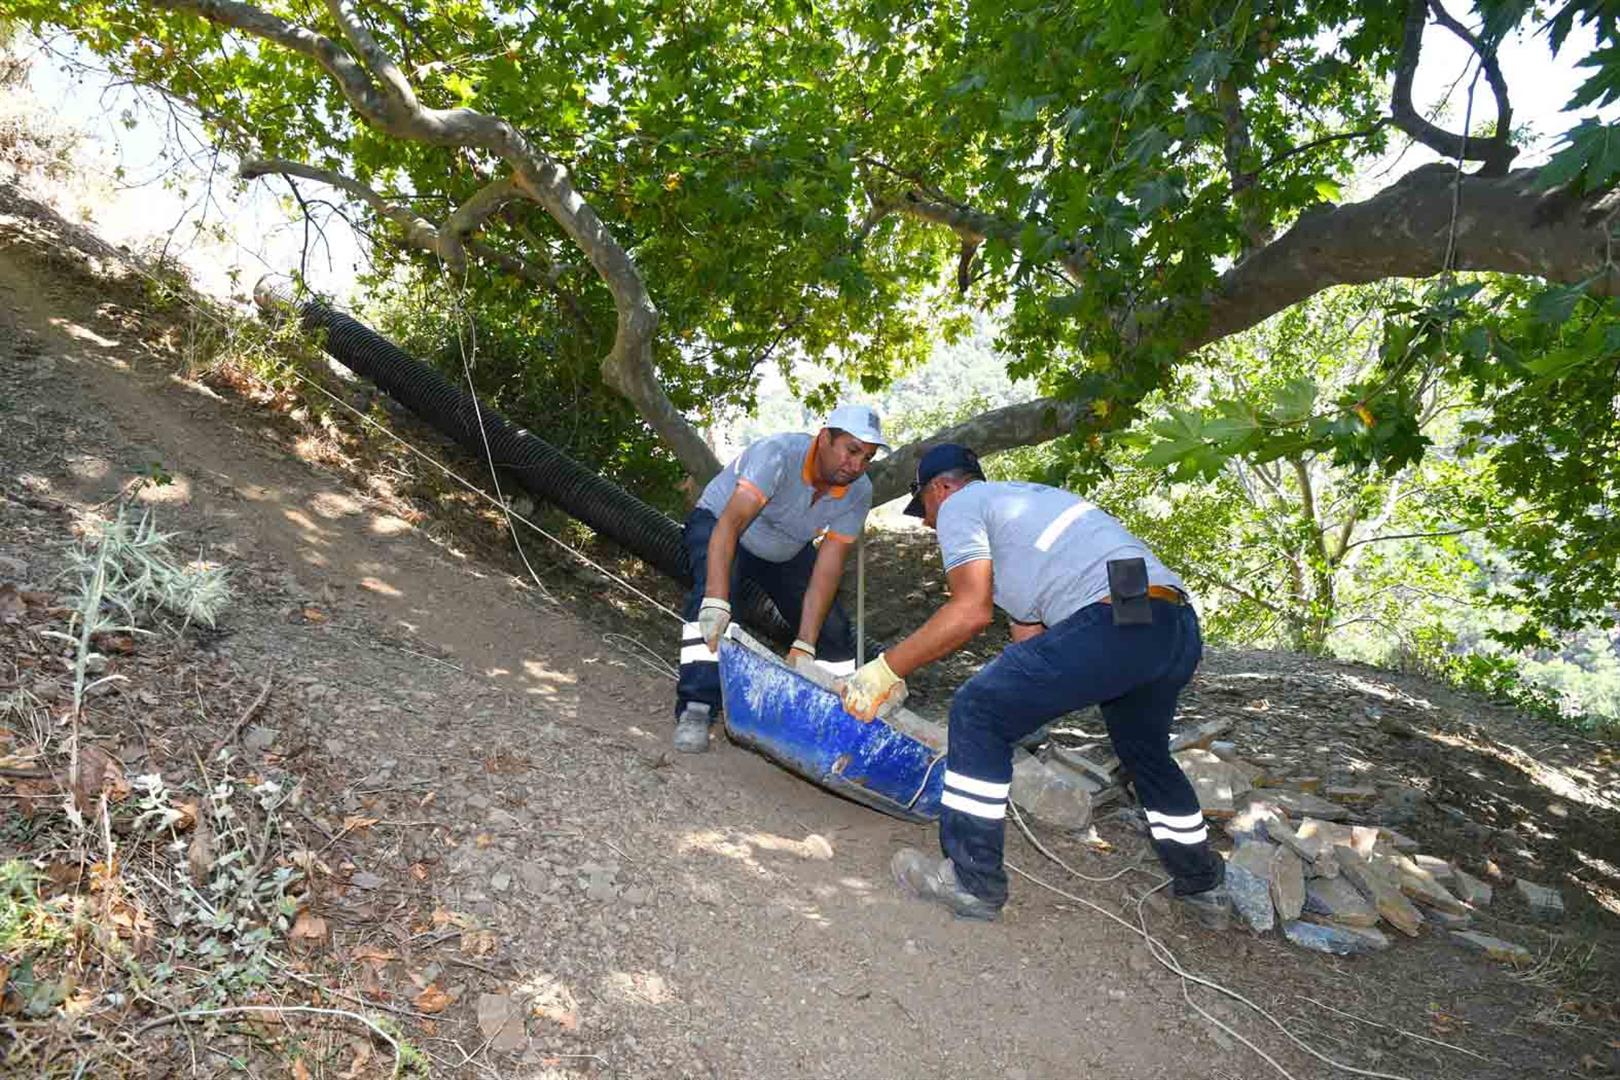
x=125 y=568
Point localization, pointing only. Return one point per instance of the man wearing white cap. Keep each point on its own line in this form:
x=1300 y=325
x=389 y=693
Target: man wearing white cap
x=757 y=520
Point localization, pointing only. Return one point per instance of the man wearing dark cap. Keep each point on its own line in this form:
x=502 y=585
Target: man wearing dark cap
x=759 y=519
x=1096 y=620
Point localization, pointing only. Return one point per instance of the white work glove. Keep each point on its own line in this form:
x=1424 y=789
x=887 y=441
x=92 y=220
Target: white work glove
x=713 y=617
x=873 y=686
x=802 y=653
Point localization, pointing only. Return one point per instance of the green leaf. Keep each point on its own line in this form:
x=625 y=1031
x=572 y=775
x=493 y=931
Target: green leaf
x=1327 y=189
x=1294 y=401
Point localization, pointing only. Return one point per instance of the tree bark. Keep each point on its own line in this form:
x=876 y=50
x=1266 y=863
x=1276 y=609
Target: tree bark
x=382 y=96
x=1502 y=223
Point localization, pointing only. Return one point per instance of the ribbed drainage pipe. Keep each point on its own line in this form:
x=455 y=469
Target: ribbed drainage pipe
x=538 y=467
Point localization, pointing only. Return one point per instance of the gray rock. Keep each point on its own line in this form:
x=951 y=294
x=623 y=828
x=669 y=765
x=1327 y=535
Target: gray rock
x=477 y=802
x=1439 y=869
x=501 y=881
x=1378 y=888
x=1471 y=890
x=1052 y=791
x=1446 y=920
x=365 y=879
x=1218 y=783
x=504 y=819
x=1335 y=940
x=1287 y=880
x=500 y=1019
x=1493 y=947
x=1545 y=903
x=1336 y=900
x=1421 y=885
x=1355 y=794
x=1248 y=880
x=533 y=877
x=1253 y=821
x=258 y=739
x=1304 y=804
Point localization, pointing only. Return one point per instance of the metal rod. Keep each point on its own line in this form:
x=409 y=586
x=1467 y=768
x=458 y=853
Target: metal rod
x=860 y=599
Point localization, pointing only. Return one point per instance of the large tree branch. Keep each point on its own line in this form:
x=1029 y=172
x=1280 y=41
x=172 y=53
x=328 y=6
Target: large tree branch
x=1236 y=147
x=628 y=367
x=977 y=226
x=417 y=231
x=1493 y=75
x=1505 y=224
x=373 y=55
x=1496 y=152
x=1026 y=424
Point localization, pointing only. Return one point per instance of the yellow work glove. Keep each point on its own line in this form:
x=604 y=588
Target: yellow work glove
x=870 y=688
x=713 y=617
x=802 y=653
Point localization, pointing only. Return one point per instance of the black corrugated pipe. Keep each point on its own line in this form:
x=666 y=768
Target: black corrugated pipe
x=540 y=468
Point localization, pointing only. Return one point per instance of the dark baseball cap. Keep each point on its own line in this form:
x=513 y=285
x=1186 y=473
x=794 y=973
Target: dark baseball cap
x=943 y=458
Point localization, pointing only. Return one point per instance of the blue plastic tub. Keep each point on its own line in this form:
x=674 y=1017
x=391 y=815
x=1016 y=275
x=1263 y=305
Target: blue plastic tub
x=895 y=765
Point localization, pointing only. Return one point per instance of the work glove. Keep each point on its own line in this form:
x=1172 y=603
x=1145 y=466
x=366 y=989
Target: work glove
x=873 y=686
x=713 y=617
x=801 y=654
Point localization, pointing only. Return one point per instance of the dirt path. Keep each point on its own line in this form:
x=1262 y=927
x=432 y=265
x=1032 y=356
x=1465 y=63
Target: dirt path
x=676 y=903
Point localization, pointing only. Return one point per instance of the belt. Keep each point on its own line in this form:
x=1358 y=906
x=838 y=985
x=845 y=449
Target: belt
x=1167 y=593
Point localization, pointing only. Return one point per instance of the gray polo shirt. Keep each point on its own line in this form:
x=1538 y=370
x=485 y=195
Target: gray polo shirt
x=778 y=468
x=1049 y=549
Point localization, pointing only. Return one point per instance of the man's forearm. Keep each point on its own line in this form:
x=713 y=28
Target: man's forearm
x=722 y=551
x=818 y=595
x=947 y=630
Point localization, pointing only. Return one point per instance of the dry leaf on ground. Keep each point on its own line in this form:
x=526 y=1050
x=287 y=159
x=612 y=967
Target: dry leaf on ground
x=200 y=853
x=362 y=1055
x=300 y=1071
x=478 y=942
x=97 y=772
x=372 y=954
x=432 y=999
x=308 y=931
x=550 y=999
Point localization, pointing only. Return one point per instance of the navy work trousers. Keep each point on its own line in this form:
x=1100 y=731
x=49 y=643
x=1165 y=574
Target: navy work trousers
x=783 y=582
x=1134 y=673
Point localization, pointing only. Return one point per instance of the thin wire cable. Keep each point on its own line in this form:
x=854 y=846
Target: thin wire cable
x=1023 y=827
x=481 y=493
x=657 y=662
x=1168 y=960
x=459 y=302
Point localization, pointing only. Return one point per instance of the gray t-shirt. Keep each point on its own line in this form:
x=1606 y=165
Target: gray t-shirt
x=778 y=468
x=1049 y=549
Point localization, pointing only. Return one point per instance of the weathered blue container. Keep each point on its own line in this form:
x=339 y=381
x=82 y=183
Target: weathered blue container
x=895 y=765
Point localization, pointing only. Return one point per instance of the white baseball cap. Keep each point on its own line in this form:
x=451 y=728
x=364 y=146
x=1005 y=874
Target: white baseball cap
x=860 y=421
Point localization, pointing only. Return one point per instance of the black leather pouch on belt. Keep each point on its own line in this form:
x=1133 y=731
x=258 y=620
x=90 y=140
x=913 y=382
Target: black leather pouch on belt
x=1128 y=592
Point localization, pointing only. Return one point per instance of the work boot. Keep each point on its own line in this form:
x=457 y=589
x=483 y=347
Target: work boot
x=692 y=728
x=929 y=878
x=1212 y=908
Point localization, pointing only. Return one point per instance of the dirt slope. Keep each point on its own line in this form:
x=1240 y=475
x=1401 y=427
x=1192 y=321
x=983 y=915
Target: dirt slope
x=515 y=761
